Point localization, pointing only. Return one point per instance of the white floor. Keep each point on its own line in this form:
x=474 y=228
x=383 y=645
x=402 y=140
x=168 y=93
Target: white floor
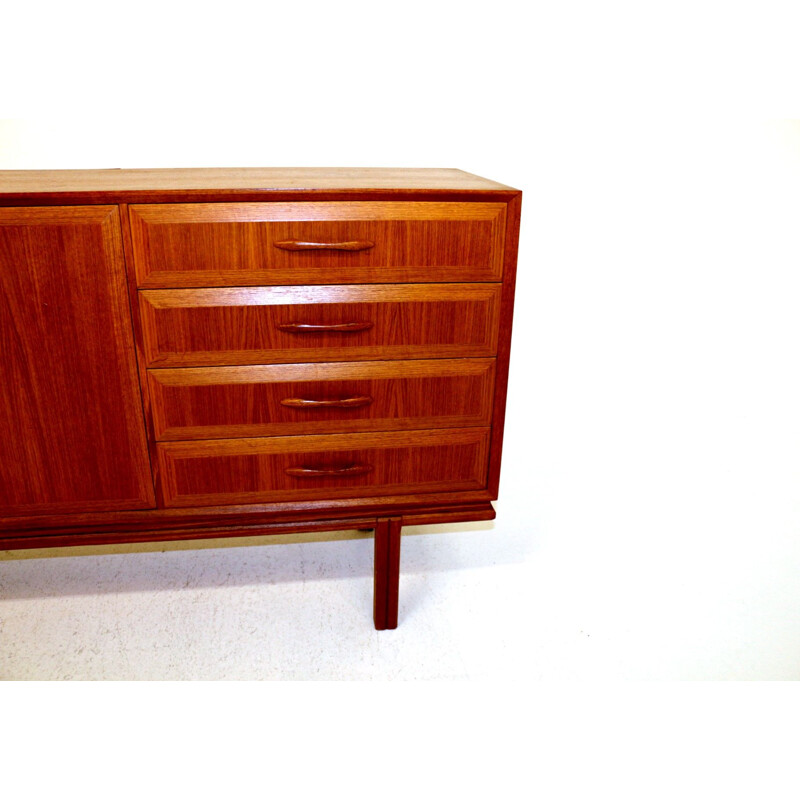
x=476 y=602
x=299 y=610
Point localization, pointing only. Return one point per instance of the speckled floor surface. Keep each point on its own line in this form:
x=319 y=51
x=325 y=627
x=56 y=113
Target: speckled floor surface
x=299 y=610
x=487 y=600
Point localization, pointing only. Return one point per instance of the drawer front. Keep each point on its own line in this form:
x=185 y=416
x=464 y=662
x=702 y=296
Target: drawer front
x=284 y=468
x=227 y=402
x=204 y=327
x=246 y=244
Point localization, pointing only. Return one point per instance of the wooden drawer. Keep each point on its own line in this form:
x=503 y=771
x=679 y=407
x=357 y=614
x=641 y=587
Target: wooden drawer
x=200 y=327
x=245 y=244
x=285 y=468
x=226 y=402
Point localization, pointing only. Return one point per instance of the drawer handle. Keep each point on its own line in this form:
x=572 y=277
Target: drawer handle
x=329 y=472
x=294 y=244
x=347 y=402
x=340 y=327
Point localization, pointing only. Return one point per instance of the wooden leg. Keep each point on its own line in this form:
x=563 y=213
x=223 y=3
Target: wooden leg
x=387 y=572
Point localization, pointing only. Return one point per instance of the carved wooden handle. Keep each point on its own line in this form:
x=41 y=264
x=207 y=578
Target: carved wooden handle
x=340 y=327
x=329 y=472
x=347 y=402
x=294 y=244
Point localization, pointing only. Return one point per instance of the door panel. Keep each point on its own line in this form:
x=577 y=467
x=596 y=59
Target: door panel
x=73 y=434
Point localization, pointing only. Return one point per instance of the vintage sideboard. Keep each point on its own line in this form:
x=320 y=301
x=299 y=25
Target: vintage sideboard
x=207 y=353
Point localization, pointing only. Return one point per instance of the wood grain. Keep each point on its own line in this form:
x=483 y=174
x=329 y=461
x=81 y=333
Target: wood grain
x=254 y=470
x=70 y=409
x=400 y=420
x=329 y=327
x=344 y=470
x=77 y=537
x=386 y=583
x=247 y=515
x=295 y=245
x=315 y=404
x=141 y=361
x=204 y=327
x=239 y=244
x=504 y=343
x=257 y=178
x=228 y=402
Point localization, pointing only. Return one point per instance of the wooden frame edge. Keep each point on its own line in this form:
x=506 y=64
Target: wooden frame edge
x=81 y=537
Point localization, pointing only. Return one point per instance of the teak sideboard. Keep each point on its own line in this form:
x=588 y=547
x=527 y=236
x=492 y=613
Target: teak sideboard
x=202 y=353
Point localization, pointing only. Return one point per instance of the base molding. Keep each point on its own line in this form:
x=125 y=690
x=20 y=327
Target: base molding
x=81 y=535
x=387 y=532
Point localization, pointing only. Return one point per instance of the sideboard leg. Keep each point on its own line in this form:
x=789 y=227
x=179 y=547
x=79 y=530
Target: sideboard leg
x=387 y=573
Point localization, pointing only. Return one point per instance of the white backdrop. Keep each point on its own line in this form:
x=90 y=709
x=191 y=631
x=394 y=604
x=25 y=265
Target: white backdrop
x=648 y=519
x=652 y=464
x=652 y=461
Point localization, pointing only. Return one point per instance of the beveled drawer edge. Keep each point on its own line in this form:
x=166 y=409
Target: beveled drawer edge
x=317 y=294
x=315 y=210
x=318 y=371
x=316 y=442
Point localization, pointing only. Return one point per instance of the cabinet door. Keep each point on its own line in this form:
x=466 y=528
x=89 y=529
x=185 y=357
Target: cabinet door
x=72 y=432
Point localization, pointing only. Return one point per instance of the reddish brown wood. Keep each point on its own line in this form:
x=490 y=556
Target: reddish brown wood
x=380 y=574
x=264 y=179
x=141 y=362
x=293 y=244
x=314 y=405
x=234 y=244
x=226 y=402
x=423 y=388
x=255 y=470
x=467 y=513
x=83 y=539
x=200 y=327
x=70 y=411
x=22 y=199
x=330 y=327
x=422 y=509
x=344 y=471
x=504 y=343
x=62 y=187
x=393 y=570
x=387 y=573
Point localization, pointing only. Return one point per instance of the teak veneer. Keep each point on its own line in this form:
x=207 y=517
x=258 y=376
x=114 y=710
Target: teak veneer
x=192 y=354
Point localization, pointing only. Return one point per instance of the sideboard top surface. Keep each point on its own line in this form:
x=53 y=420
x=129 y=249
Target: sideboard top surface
x=255 y=180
